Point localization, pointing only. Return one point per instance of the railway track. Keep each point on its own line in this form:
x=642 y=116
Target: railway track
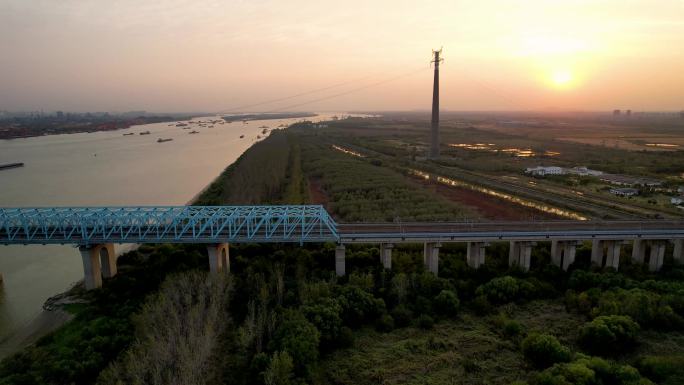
x=493 y=231
x=586 y=205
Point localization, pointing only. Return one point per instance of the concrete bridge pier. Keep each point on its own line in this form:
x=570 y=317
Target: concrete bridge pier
x=431 y=256
x=475 y=256
x=340 y=268
x=639 y=251
x=657 y=255
x=611 y=253
x=386 y=255
x=678 y=252
x=563 y=253
x=99 y=261
x=219 y=257
x=520 y=253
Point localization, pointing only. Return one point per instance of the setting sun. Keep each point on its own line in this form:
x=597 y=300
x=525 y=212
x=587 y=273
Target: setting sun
x=561 y=78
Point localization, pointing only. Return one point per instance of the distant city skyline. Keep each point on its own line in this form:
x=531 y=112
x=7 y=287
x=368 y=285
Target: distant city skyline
x=183 y=56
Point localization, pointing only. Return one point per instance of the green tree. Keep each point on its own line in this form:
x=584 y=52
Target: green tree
x=447 y=303
x=359 y=306
x=299 y=338
x=544 y=350
x=608 y=334
x=505 y=289
x=279 y=371
x=325 y=315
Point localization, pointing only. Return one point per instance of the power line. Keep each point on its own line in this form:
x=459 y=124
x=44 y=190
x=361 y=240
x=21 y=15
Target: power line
x=317 y=90
x=407 y=74
x=510 y=98
x=507 y=97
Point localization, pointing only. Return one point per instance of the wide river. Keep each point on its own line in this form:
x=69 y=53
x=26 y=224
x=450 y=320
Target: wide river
x=103 y=168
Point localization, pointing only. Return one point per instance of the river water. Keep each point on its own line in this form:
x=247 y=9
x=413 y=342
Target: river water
x=103 y=168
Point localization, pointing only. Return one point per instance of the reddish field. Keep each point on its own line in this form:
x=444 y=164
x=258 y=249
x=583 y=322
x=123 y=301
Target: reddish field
x=316 y=194
x=487 y=206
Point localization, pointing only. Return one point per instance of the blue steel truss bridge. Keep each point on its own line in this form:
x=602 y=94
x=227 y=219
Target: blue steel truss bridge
x=173 y=224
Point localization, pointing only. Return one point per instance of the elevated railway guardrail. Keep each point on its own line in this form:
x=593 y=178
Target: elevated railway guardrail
x=507 y=231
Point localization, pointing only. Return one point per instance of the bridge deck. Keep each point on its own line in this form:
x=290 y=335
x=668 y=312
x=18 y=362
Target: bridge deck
x=493 y=231
x=310 y=223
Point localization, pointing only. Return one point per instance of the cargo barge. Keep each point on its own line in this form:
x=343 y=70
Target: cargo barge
x=11 y=165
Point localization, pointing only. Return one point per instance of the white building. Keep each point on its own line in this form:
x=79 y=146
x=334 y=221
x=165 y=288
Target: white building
x=676 y=200
x=583 y=171
x=542 y=171
x=625 y=192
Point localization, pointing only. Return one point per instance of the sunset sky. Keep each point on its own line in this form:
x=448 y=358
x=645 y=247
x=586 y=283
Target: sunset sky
x=181 y=55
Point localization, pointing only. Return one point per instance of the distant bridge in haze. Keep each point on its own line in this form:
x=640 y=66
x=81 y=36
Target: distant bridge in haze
x=96 y=229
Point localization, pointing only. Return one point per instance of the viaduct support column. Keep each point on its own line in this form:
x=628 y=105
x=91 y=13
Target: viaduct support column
x=638 y=251
x=98 y=260
x=431 y=256
x=476 y=254
x=597 y=252
x=107 y=260
x=563 y=253
x=386 y=255
x=655 y=260
x=612 y=253
x=340 y=268
x=520 y=253
x=92 y=275
x=219 y=257
x=678 y=253
x=557 y=253
x=569 y=253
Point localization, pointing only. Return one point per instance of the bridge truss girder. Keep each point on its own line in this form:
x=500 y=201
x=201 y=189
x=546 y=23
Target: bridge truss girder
x=166 y=224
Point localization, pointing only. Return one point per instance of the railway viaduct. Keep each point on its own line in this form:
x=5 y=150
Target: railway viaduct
x=95 y=230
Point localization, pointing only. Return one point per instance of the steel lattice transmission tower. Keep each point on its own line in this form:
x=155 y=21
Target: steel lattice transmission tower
x=434 y=130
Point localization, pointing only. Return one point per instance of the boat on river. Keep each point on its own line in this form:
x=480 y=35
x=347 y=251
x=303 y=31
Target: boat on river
x=162 y=140
x=8 y=166
x=145 y=133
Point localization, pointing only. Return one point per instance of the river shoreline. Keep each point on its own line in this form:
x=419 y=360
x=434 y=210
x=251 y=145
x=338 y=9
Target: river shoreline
x=53 y=316
x=198 y=160
x=12 y=132
x=44 y=323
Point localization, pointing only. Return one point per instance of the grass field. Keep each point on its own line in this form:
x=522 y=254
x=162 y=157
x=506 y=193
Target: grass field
x=469 y=349
x=473 y=153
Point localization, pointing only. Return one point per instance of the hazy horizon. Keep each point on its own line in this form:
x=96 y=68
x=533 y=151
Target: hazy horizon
x=179 y=56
